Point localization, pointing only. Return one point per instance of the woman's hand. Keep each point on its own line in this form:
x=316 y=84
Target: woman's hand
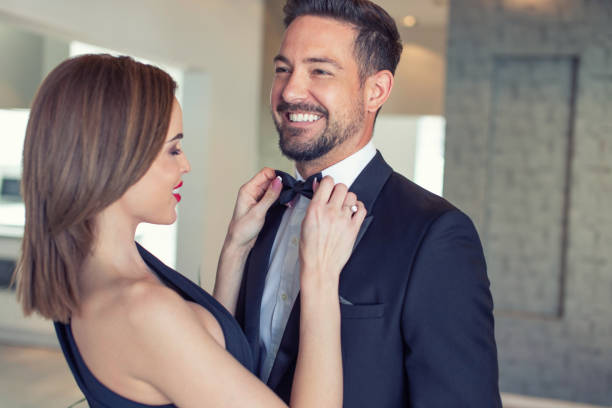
x=254 y=199
x=329 y=230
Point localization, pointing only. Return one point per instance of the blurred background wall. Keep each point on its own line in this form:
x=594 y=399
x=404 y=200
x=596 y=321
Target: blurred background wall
x=529 y=124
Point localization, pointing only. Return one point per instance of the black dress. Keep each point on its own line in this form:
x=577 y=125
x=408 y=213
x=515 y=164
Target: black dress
x=98 y=395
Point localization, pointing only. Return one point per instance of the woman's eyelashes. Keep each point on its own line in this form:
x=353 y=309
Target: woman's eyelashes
x=175 y=150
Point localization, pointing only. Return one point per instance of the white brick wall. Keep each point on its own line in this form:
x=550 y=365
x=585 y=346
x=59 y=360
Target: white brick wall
x=551 y=269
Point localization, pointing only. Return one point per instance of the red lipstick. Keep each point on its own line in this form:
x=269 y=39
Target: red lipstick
x=177 y=196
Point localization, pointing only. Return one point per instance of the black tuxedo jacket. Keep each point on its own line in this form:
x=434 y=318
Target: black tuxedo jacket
x=419 y=329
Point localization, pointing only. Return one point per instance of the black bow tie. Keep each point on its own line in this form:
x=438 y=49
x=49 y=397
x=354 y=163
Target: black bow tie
x=291 y=187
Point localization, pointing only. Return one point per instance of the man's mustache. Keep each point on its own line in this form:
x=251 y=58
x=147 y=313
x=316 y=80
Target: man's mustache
x=286 y=106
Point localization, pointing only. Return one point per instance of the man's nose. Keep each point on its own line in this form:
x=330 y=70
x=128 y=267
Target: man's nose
x=296 y=88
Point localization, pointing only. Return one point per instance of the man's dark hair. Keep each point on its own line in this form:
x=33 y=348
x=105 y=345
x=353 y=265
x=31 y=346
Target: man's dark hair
x=377 y=46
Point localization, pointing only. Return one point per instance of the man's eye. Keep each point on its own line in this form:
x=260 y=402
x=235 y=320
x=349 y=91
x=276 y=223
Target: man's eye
x=280 y=70
x=320 y=72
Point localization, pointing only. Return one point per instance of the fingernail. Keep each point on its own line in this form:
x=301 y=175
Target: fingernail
x=278 y=181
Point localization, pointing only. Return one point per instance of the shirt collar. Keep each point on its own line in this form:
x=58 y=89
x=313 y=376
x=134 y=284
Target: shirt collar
x=347 y=170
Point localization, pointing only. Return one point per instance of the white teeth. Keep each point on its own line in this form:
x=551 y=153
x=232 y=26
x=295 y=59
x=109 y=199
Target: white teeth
x=303 y=117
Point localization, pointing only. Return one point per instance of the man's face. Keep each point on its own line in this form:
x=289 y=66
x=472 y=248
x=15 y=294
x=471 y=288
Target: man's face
x=317 y=100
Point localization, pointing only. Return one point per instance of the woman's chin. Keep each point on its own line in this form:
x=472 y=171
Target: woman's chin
x=168 y=220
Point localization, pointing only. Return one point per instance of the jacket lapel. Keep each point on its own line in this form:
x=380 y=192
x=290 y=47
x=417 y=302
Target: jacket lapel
x=367 y=187
x=255 y=276
x=371 y=180
x=362 y=230
x=288 y=349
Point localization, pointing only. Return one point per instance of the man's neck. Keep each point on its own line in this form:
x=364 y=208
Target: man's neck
x=339 y=153
x=347 y=170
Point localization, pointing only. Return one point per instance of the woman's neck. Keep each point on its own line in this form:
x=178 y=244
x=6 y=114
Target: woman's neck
x=114 y=254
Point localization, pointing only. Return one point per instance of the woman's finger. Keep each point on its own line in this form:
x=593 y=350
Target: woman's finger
x=271 y=195
x=257 y=186
x=338 y=195
x=350 y=200
x=324 y=190
x=359 y=215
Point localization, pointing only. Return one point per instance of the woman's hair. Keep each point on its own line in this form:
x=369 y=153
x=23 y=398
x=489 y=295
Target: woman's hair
x=96 y=125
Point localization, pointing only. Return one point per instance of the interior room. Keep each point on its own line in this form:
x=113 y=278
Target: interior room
x=500 y=106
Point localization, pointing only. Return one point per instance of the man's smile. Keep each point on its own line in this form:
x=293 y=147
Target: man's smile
x=302 y=117
x=300 y=114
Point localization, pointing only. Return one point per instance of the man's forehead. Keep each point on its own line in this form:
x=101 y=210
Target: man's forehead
x=317 y=26
x=318 y=37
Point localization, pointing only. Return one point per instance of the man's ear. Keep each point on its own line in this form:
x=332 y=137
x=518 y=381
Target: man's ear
x=378 y=88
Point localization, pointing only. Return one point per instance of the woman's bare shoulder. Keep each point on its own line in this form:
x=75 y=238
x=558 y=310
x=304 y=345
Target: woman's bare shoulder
x=130 y=307
x=146 y=304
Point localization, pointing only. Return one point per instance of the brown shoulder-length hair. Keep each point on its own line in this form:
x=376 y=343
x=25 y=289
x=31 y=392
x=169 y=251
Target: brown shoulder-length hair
x=96 y=125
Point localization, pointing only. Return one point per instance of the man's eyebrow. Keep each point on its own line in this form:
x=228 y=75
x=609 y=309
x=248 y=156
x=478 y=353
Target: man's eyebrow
x=312 y=60
x=177 y=137
x=281 y=58
x=323 y=60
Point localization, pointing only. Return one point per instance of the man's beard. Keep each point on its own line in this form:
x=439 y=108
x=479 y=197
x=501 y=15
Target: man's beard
x=334 y=134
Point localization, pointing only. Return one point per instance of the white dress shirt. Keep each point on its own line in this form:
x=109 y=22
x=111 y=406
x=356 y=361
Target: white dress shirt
x=283 y=279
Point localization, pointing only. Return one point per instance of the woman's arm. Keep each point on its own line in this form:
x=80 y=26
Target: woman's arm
x=329 y=231
x=175 y=353
x=254 y=199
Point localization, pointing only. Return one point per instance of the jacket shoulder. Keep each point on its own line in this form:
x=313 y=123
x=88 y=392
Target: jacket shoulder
x=407 y=199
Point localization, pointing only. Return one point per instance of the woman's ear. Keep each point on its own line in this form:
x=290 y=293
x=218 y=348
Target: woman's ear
x=378 y=89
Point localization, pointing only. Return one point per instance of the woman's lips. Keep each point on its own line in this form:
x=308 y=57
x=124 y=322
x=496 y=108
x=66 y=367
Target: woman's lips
x=177 y=196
